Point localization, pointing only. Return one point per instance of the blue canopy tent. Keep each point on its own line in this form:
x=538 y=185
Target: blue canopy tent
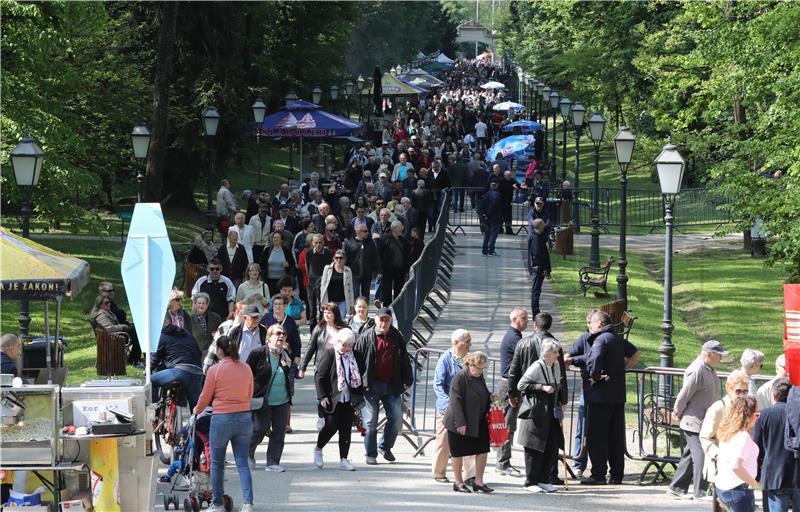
x=510 y=147
x=523 y=126
x=303 y=119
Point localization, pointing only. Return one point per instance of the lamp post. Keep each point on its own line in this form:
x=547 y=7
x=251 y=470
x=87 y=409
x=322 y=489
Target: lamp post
x=359 y=89
x=316 y=95
x=334 y=95
x=670 y=166
x=290 y=98
x=564 y=105
x=578 y=114
x=597 y=124
x=538 y=98
x=554 y=97
x=349 y=86
x=545 y=94
x=26 y=159
x=259 y=110
x=210 y=125
x=624 y=142
x=140 y=140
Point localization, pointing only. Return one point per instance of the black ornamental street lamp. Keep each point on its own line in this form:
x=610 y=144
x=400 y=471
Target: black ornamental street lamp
x=624 y=142
x=545 y=94
x=359 y=90
x=210 y=125
x=670 y=166
x=259 y=110
x=140 y=140
x=597 y=124
x=349 y=87
x=316 y=95
x=578 y=114
x=334 y=95
x=26 y=159
x=564 y=105
x=553 y=99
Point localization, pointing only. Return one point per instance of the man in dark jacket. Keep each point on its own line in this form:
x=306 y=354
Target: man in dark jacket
x=363 y=260
x=519 y=322
x=10 y=348
x=387 y=374
x=538 y=262
x=422 y=201
x=506 y=188
x=277 y=390
x=778 y=467
x=181 y=357
x=204 y=322
x=394 y=251
x=316 y=259
x=492 y=213
x=603 y=373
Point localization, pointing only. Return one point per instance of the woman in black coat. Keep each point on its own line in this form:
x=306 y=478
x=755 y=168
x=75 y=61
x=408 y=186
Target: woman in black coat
x=276 y=263
x=233 y=267
x=466 y=423
x=340 y=392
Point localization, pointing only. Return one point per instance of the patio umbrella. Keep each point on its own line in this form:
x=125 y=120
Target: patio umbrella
x=508 y=105
x=524 y=125
x=493 y=85
x=510 y=147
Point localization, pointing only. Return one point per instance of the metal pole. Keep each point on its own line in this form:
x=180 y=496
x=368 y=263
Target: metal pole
x=564 y=152
x=667 y=348
x=140 y=182
x=622 y=278
x=576 y=211
x=258 y=154
x=554 y=160
x=209 y=213
x=594 y=255
x=24 y=305
x=544 y=142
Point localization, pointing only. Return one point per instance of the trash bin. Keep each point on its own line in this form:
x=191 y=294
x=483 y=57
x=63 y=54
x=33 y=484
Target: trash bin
x=34 y=355
x=111 y=353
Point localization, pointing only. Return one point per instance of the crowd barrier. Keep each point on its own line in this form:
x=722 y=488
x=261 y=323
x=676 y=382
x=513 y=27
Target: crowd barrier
x=645 y=209
x=653 y=437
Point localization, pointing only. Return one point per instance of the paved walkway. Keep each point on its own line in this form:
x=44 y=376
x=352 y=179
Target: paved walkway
x=484 y=291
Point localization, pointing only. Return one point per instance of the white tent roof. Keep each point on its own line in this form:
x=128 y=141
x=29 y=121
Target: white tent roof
x=444 y=59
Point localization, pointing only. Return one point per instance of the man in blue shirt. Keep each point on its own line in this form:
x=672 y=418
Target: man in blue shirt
x=448 y=365
x=9 y=353
x=519 y=322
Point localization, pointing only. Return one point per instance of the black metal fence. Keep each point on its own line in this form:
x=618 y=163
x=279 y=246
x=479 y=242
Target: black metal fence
x=645 y=208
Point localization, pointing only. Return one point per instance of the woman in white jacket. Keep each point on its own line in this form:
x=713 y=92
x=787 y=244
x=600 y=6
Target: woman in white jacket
x=336 y=284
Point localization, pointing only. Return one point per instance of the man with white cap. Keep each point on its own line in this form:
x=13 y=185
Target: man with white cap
x=764 y=393
x=700 y=390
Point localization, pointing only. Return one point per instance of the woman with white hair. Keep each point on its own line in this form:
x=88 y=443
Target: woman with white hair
x=752 y=361
x=340 y=392
x=176 y=315
x=538 y=428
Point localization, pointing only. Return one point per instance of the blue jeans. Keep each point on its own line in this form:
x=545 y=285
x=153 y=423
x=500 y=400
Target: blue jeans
x=738 y=499
x=236 y=428
x=379 y=287
x=490 y=236
x=342 y=308
x=361 y=287
x=393 y=405
x=580 y=463
x=780 y=499
x=192 y=383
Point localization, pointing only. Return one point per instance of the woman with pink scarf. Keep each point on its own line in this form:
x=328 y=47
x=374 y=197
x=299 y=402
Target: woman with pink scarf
x=340 y=393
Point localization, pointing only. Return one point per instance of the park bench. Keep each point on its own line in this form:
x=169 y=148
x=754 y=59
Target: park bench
x=597 y=277
x=621 y=320
x=112 y=351
x=191 y=273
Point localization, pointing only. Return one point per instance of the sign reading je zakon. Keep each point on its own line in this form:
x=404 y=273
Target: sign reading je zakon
x=32 y=286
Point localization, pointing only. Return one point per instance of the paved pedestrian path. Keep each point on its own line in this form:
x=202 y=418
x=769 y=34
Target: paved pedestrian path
x=484 y=289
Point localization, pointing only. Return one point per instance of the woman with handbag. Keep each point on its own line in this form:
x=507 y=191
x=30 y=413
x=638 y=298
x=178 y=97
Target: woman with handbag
x=538 y=424
x=273 y=388
x=253 y=290
x=466 y=423
x=340 y=393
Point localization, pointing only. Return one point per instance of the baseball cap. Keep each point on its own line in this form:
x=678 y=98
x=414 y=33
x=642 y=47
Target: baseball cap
x=714 y=346
x=386 y=142
x=384 y=312
x=252 y=310
x=539 y=200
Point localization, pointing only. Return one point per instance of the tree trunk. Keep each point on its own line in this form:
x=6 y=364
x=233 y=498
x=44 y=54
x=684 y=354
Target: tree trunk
x=163 y=77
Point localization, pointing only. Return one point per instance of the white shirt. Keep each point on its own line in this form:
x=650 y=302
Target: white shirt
x=480 y=129
x=226 y=204
x=246 y=238
x=249 y=341
x=261 y=231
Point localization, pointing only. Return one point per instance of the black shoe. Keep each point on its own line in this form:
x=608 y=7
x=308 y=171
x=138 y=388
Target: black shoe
x=614 y=481
x=470 y=481
x=556 y=481
x=592 y=481
x=387 y=454
x=482 y=488
x=461 y=488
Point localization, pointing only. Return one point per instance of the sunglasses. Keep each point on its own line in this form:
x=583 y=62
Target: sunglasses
x=337 y=257
x=109 y=290
x=105 y=302
x=740 y=391
x=214 y=269
x=280 y=333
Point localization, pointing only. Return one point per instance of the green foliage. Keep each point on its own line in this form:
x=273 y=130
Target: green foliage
x=720 y=78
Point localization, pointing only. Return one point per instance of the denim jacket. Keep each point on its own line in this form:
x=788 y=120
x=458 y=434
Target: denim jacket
x=447 y=366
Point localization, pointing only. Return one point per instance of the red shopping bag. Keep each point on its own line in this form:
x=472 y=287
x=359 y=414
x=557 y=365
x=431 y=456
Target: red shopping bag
x=498 y=430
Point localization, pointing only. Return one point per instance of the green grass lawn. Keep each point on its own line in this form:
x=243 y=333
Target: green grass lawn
x=717 y=294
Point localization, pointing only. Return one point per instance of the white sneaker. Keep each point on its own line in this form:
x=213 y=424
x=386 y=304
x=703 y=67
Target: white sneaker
x=546 y=487
x=346 y=465
x=532 y=488
x=247 y=507
x=275 y=468
x=318 y=458
x=214 y=508
x=320 y=423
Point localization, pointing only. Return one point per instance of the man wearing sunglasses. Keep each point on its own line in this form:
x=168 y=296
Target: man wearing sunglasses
x=218 y=287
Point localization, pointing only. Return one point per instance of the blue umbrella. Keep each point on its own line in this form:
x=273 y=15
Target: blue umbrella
x=509 y=147
x=303 y=119
x=524 y=126
x=508 y=105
